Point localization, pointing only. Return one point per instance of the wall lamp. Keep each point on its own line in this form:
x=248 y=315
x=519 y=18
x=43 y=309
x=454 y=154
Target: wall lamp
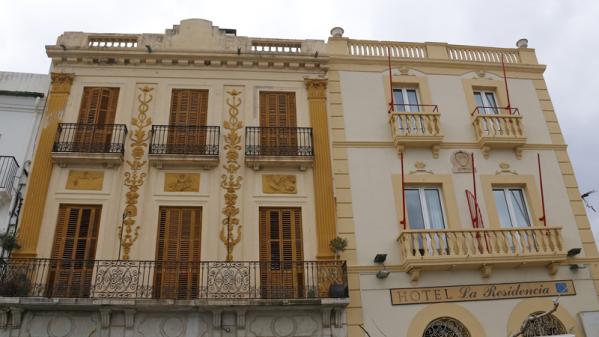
x=380 y=259
x=574 y=251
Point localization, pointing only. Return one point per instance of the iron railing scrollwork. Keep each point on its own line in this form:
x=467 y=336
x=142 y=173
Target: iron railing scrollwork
x=192 y=140
x=278 y=141
x=118 y=279
x=90 y=138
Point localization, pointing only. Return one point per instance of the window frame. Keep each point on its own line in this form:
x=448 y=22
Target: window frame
x=424 y=207
x=487 y=108
x=509 y=199
x=409 y=106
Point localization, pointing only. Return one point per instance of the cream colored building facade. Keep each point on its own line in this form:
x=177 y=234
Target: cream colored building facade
x=181 y=186
x=132 y=227
x=453 y=270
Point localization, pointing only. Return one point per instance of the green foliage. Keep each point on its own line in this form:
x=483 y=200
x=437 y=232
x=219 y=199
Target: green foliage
x=9 y=242
x=338 y=244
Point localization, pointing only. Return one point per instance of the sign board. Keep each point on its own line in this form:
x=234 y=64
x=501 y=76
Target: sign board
x=481 y=292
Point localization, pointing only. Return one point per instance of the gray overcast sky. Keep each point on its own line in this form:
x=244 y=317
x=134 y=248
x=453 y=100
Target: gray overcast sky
x=564 y=33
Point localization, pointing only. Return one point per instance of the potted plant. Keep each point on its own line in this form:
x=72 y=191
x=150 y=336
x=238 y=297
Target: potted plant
x=337 y=289
x=9 y=242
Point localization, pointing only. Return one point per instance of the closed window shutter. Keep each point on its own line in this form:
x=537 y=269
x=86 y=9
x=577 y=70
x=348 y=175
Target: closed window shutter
x=281 y=252
x=74 y=250
x=177 y=252
x=189 y=108
x=278 y=115
x=96 y=116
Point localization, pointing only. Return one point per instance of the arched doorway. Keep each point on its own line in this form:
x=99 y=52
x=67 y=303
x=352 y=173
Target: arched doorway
x=445 y=327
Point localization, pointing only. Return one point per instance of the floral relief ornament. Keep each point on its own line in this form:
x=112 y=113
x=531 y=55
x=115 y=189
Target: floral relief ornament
x=134 y=178
x=230 y=232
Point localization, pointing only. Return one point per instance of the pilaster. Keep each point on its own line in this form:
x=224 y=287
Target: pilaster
x=324 y=199
x=41 y=172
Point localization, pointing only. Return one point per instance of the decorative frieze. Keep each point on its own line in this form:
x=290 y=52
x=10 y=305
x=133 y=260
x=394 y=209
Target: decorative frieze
x=181 y=182
x=279 y=184
x=85 y=180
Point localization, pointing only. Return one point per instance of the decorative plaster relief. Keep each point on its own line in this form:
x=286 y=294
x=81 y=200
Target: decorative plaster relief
x=170 y=325
x=135 y=177
x=85 y=180
x=420 y=168
x=60 y=324
x=505 y=168
x=279 y=184
x=230 y=233
x=181 y=182
x=462 y=162
x=284 y=325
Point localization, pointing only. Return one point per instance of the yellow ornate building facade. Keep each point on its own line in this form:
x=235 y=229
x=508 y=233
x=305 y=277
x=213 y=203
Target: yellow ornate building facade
x=190 y=183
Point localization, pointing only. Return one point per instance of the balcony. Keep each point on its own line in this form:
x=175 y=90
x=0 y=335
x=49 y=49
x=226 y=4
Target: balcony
x=498 y=128
x=8 y=173
x=89 y=143
x=416 y=126
x=196 y=146
x=278 y=147
x=302 y=282
x=448 y=249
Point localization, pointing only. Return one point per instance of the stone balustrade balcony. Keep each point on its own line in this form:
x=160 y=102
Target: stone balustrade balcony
x=416 y=126
x=481 y=248
x=498 y=128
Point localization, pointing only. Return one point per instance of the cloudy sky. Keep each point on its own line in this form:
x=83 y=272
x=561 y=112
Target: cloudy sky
x=564 y=33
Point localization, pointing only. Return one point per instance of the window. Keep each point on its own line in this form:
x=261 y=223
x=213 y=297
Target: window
x=445 y=327
x=406 y=100
x=486 y=102
x=511 y=207
x=545 y=326
x=75 y=249
x=424 y=207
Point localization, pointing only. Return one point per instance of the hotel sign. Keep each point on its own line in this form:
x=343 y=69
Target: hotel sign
x=481 y=292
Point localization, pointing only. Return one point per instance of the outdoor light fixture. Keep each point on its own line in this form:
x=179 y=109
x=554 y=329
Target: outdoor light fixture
x=573 y=252
x=380 y=258
x=383 y=273
x=575 y=267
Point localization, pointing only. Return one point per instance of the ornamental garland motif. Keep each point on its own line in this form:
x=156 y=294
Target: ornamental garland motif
x=134 y=179
x=230 y=232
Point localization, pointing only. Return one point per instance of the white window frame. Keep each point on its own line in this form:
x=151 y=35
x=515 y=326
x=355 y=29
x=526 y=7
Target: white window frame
x=406 y=100
x=510 y=205
x=487 y=108
x=425 y=215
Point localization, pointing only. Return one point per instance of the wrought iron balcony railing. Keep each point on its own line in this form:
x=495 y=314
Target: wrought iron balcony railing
x=8 y=173
x=90 y=138
x=185 y=140
x=278 y=142
x=172 y=280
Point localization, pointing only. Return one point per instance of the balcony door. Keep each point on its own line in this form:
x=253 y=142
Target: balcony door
x=178 y=253
x=188 y=117
x=281 y=252
x=96 y=119
x=74 y=250
x=278 y=122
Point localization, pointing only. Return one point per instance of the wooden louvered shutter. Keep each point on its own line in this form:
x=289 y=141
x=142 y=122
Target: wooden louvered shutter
x=96 y=119
x=74 y=250
x=177 y=252
x=189 y=113
x=281 y=252
x=278 y=120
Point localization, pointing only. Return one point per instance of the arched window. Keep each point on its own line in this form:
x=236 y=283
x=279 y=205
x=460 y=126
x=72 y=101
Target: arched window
x=446 y=327
x=545 y=326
